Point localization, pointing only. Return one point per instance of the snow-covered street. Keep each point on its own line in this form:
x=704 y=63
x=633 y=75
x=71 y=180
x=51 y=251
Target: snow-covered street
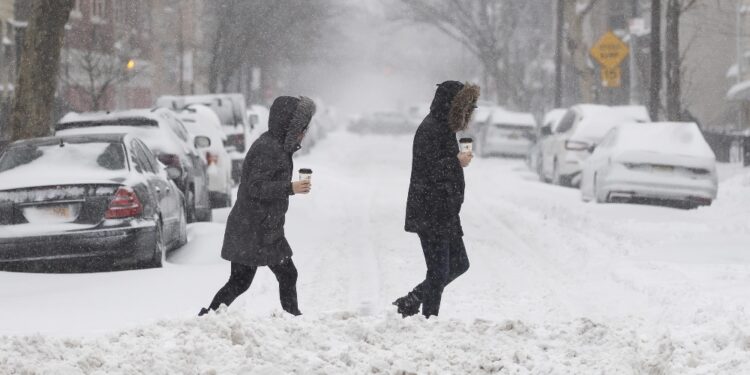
x=555 y=286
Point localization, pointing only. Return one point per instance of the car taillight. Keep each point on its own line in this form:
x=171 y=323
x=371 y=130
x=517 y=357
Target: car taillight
x=124 y=204
x=576 y=146
x=212 y=158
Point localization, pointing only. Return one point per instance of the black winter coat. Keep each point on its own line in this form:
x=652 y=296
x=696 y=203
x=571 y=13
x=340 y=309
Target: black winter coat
x=254 y=234
x=436 y=190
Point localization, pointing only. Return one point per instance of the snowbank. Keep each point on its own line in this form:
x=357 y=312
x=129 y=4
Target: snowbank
x=345 y=343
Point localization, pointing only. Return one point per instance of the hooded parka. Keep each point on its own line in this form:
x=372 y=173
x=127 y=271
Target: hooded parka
x=436 y=189
x=254 y=235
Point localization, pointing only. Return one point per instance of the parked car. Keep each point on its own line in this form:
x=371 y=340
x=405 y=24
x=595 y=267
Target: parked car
x=506 y=133
x=544 y=137
x=201 y=121
x=582 y=127
x=94 y=200
x=235 y=122
x=663 y=161
x=167 y=138
x=478 y=120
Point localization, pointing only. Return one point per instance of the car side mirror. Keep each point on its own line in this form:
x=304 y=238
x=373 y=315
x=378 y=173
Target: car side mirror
x=545 y=131
x=202 y=142
x=592 y=148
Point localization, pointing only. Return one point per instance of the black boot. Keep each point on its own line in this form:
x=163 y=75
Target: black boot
x=204 y=311
x=408 y=305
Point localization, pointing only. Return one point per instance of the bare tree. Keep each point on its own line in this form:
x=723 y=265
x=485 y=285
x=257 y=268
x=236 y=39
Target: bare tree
x=40 y=64
x=483 y=27
x=96 y=69
x=266 y=34
x=673 y=57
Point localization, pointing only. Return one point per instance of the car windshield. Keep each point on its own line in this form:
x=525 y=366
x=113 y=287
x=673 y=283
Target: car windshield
x=103 y=156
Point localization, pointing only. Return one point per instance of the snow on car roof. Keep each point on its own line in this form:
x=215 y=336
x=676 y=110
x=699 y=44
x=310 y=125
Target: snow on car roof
x=675 y=138
x=597 y=120
x=554 y=116
x=504 y=116
x=151 y=114
x=47 y=162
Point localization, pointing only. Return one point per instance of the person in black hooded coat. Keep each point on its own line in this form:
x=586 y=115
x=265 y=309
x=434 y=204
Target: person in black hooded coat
x=436 y=193
x=254 y=235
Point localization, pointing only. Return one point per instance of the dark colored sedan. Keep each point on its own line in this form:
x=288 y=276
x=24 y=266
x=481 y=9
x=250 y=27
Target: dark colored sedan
x=92 y=200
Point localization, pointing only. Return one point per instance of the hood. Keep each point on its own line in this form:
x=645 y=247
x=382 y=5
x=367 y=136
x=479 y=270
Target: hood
x=289 y=117
x=454 y=103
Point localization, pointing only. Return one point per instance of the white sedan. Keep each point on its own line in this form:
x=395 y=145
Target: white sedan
x=669 y=162
x=201 y=120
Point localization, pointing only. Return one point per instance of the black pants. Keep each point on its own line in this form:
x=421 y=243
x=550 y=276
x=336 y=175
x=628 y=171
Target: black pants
x=242 y=276
x=446 y=260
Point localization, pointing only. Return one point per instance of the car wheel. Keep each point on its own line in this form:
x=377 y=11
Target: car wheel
x=160 y=249
x=555 y=174
x=190 y=206
x=204 y=215
x=183 y=230
x=597 y=195
x=228 y=201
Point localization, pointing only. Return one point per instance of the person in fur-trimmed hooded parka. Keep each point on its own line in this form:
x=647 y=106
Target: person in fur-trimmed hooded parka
x=254 y=235
x=436 y=193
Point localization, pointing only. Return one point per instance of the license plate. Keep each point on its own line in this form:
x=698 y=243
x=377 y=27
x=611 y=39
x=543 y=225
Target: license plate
x=513 y=136
x=63 y=213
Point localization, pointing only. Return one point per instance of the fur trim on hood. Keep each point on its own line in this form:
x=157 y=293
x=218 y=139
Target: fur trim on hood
x=462 y=107
x=299 y=122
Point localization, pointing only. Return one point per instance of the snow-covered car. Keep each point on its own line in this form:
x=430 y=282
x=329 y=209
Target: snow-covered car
x=166 y=136
x=663 y=161
x=93 y=200
x=506 y=133
x=574 y=137
x=208 y=137
x=232 y=112
x=205 y=130
x=478 y=120
x=544 y=131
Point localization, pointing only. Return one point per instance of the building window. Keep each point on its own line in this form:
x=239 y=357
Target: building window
x=76 y=12
x=99 y=9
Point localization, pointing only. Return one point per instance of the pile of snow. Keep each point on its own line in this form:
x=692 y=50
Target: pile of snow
x=230 y=342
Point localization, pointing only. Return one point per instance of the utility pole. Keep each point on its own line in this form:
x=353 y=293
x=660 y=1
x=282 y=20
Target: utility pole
x=655 y=90
x=559 y=53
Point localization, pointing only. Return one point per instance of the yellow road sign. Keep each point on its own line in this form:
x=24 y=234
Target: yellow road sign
x=609 y=50
x=611 y=77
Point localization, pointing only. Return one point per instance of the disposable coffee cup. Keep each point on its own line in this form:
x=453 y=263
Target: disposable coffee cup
x=305 y=174
x=466 y=144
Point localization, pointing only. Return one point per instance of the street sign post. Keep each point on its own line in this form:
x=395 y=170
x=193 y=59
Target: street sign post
x=609 y=51
x=611 y=77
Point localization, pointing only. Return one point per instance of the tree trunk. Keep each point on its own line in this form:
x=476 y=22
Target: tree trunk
x=655 y=89
x=40 y=65
x=672 y=60
x=579 y=51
